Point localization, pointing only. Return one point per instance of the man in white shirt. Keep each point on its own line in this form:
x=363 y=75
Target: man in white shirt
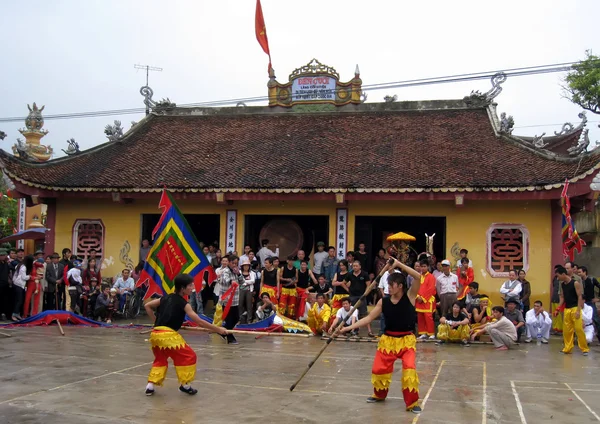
x=538 y=321
x=343 y=314
x=265 y=252
x=502 y=332
x=447 y=288
x=245 y=256
x=587 y=315
x=125 y=287
x=319 y=257
x=511 y=289
x=463 y=254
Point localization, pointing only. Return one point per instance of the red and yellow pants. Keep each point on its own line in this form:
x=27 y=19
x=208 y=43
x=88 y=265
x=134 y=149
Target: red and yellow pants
x=389 y=349
x=425 y=323
x=272 y=291
x=301 y=297
x=573 y=326
x=287 y=302
x=336 y=303
x=557 y=321
x=167 y=343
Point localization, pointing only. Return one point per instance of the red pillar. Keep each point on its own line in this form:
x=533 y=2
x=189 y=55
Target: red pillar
x=50 y=226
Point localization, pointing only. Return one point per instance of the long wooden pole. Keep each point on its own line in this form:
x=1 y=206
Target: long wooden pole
x=5 y=335
x=60 y=327
x=340 y=324
x=279 y=327
x=264 y=333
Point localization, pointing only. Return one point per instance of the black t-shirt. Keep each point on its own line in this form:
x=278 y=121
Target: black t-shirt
x=399 y=317
x=358 y=283
x=339 y=289
x=451 y=317
x=303 y=278
x=588 y=289
x=362 y=258
x=270 y=277
x=171 y=312
x=570 y=294
x=319 y=289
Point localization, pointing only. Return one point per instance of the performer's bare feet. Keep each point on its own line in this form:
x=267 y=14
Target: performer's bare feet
x=189 y=390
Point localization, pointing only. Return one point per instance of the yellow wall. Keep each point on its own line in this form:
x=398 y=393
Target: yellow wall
x=466 y=225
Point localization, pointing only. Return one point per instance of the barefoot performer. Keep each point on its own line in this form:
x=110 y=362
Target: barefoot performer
x=167 y=342
x=398 y=341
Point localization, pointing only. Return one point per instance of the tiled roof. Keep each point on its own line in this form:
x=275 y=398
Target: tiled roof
x=345 y=150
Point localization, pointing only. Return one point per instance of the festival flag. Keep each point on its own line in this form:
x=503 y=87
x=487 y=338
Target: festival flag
x=261 y=32
x=571 y=240
x=175 y=251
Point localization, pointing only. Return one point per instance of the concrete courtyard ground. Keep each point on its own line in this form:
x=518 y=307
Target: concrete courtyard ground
x=97 y=375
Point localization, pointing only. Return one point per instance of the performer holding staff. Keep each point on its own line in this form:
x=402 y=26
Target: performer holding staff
x=167 y=342
x=398 y=341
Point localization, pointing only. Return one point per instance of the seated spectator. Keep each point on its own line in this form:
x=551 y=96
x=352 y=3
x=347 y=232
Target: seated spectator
x=454 y=327
x=105 y=304
x=471 y=300
x=502 y=332
x=266 y=307
x=539 y=322
x=310 y=301
x=343 y=314
x=515 y=316
x=125 y=287
x=482 y=313
x=319 y=314
x=511 y=289
x=587 y=315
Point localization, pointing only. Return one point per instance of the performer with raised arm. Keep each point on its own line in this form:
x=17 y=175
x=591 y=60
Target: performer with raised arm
x=167 y=342
x=398 y=341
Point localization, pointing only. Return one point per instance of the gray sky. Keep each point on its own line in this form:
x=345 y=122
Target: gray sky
x=75 y=56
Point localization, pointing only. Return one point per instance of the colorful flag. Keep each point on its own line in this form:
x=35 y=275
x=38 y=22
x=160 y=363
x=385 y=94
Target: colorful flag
x=571 y=240
x=261 y=31
x=175 y=251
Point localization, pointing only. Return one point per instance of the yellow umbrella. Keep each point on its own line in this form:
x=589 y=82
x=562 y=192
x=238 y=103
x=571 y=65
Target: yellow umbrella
x=401 y=236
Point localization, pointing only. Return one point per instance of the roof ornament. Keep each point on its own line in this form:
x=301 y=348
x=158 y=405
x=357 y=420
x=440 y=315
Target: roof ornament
x=73 y=147
x=31 y=149
x=114 y=132
x=581 y=145
x=20 y=149
x=390 y=99
x=241 y=104
x=477 y=98
x=162 y=106
x=568 y=127
x=506 y=123
x=539 y=141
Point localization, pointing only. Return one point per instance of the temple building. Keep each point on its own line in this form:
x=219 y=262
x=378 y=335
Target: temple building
x=319 y=164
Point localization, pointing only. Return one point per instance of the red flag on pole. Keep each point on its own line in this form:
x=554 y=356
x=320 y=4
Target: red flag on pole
x=261 y=31
x=571 y=240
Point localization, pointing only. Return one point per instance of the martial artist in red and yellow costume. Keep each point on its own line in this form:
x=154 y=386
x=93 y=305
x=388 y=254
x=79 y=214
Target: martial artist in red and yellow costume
x=425 y=302
x=398 y=341
x=167 y=342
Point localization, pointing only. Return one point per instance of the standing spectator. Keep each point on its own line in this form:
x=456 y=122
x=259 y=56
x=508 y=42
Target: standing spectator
x=137 y=271
x=91 y=272
x=75 y=286
x=5 y=287
x=231 y=275
x=379 y=262
x=196 y=299
x=22 y=275
x=572 y=272
x=463 y=255
x=465 y=276
x=362 y=257
x=306 y=278
x=525 y=291
x=288 y=278
x=539 y=322
x=206 y=252
x=319 y=258
x=246 y=292
x=438 y=270
x=425 y=303
x=446 y=287
x=32 y=291
x=410 y=279
x=55 y=277
x=245 y=256
x=67 y=261
x=330 y=265
x=265 y=252
x=217 y=284
x=144 y=250
x=254 y=265
x=92 y=255
x=216 y=260
x=589 y=296
x=301 y=256
x=350 y=257
x=511 y=289
x=340 y=286
x=358 y=280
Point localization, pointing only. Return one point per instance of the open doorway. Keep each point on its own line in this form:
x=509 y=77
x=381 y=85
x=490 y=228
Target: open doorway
x=373 y=230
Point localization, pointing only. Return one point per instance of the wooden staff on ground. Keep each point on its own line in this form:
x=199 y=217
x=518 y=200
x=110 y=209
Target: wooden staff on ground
x=264 y=333
x=60 y=327
x=341 y=323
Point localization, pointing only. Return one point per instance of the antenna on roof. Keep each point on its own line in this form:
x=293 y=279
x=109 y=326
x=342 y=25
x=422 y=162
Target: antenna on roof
x=148 y=68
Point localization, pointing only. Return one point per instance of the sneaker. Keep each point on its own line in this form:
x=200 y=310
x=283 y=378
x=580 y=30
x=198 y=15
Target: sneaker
x=231 y=339
x=544 y=340
x=440 y=342
x=422 y=336
x=431 y=337
x=189 y=391
x=416 y=409
x=466 y=343
x=528 y=340
x=149 y=392
x=373 y=399
x=586 y=353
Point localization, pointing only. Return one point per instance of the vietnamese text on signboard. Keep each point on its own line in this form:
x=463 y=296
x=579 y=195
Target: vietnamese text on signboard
x=313 y=88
